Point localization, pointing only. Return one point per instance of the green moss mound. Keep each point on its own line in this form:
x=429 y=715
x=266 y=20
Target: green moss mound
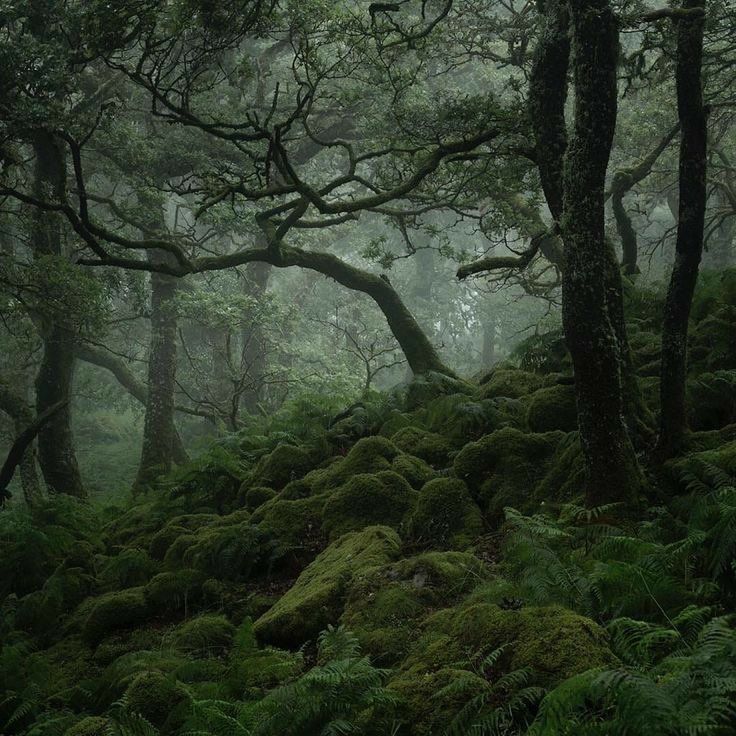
x=315 y=600
x=366 y=500
x=429 y=446
x=385 y=604
x=445 y=517
x=511 y=383
x=89 y=726
x=204 y=636
x=113 y=611
x=504 y=467
x=293 y=525
x=256 y=496
x=283 y=464
x=177 y=591
x=414 y=470
x=552 y=408
x=156 y=697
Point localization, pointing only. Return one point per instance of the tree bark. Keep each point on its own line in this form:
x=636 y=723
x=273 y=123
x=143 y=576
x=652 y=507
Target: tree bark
x=690 y=225
x=157 y=452
x=15 y=406
x=54 y=379
x=254 y=341
x=591 y=322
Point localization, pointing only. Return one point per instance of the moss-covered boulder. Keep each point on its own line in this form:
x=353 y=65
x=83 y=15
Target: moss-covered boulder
x=173 y=529
x=431 y=385
x=385 y=604
x=553 y=643
x=416 y=471
x=174 y=591
x=368 y=455
x=208 y=635
x=316 y=598
x=366 y=500
x=255 y=496
x=445 y=517
x=511 y=383
x=293 y=525
x=113 y=611
x=129 y=568
x=552 y=408
x=712 y=400
x=434 y=448
x=283 y=464
x=157 y=697
x=89 y=726
x=229 y=551
x=504 y=467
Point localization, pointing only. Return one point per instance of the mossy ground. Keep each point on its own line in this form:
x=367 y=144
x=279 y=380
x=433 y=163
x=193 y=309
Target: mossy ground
x=217 y=589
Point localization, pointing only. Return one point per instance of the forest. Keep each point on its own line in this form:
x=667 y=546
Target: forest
x=368 y=368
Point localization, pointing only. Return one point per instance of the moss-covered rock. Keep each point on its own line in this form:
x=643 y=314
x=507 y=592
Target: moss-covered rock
x=124 y=642
x=366 y=500
x=712 y=400
x=385 y=604
x=445 y=517
x=283 y=464
x=231 y=552
x=175 y=591
x=564 y=478
x=293 y=525
x=430 y=386
x=552 y=408
x=128 y=569
x=368 y=455
x=416 y=471
x=511 y=383
x=395 y=421
x=316 y=598
x=255 y=496
x=156 y=697
x=429 y=446
x=504 y=467
x=89 y=726
x=553 y=643
x=204 y=636
x=113 y=611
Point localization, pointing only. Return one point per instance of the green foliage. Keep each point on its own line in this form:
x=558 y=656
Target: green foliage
x=204 y=636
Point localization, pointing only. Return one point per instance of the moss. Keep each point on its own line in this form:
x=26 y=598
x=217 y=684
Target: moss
x=296 y=489
x=204 y=636
x=155 y=696
x=170 y=592
x=128 y=569
x=231 y=552
x=365 y=500
x=315 y=600
x=429 y=446
x=117 y=645
x=368 y=455
x=396 y=420
x=89 y=726
x=174 y=557
x=283 y=464
x=293 y=524
x=511 y=383
x=431 y=385
x=416 y=471
x=564 y=479
x=445 y=516
x=552 y=408
x=113 y=611
x=712 y=400
x=416 y=691
x=505 y=466
x=385 y=604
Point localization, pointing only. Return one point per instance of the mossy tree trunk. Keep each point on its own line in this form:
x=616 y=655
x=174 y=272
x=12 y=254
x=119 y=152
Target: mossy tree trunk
x=690 y=225
x=254 y=339
x=55 y=374
x=159 y=433
x=591 y=292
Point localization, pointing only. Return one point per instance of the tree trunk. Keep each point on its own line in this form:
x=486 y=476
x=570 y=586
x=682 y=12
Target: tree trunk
x=53 y=383
x=589 y=321
x=15 y=406
x=690 y=224
x=157 y=454
x=254 y=341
